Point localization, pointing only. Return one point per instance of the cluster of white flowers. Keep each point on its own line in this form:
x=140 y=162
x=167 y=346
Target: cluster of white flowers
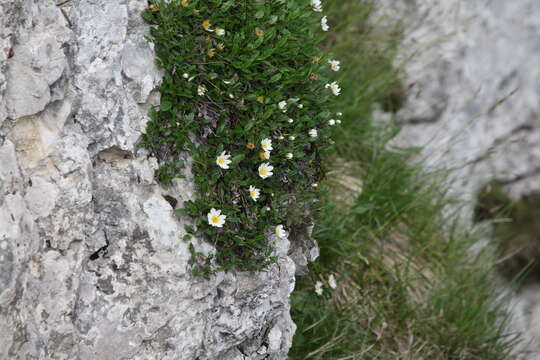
x=324 y=24
x=264 y=170
x=223 y=160
x=331 y=282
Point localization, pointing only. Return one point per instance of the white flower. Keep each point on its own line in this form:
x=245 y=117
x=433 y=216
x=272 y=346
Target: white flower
x=282 y=105
x=314 y=185
x=331 y=122
x=313 y=133
x=339 y=114
x=291 y=138
x=265 y=155
x=318 y=288
x=316 y=5
x=185 y=75
x=265 y=170
x=201 y=90
x=334 y=65
x=267 y=208
x=281 y=137
x=280 y=231
x=223 y=160
x=231 y=96
x=324 y=25
x=338 y=121
x=300 y=106
x=332 y=281
x=289 y=156
x=266 y=144
x=254 y=193
x=227 y=82
x=220 y=32
x=215 y=218
x=290 y=121
x=334 y=87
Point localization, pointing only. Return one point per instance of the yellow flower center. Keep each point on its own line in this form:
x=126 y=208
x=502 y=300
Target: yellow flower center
x=263 y=171
x=221 y=160
x=206 y=24
x=215 y=219
x=211 y=52
x=262 y=155
x=259 y=32
x=260 y=99
x=185 y=3
x=250 y=146
x=252 y=193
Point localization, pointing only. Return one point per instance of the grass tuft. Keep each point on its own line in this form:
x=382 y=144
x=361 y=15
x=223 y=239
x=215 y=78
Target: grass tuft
x=408 y=286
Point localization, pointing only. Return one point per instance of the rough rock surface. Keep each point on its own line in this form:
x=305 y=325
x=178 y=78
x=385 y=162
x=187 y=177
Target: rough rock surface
x=472 y=71
x=92 y=265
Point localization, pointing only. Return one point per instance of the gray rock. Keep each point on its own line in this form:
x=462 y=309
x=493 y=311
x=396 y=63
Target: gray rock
x=471 y=68
x=92 y=261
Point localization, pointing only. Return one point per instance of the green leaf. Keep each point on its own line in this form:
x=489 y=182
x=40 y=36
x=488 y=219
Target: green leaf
x=183 y=212
x=165 y=105
x=235 y=160
x=276 y=77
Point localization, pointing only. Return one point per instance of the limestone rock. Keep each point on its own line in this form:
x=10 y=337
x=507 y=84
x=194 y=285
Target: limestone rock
x=92 y=261
x=471 y=68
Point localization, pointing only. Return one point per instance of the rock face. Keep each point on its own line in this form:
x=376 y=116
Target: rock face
x=92 y=265
x=471 y=68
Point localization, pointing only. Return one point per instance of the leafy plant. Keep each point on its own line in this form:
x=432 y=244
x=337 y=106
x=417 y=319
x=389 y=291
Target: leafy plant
x=244 y=85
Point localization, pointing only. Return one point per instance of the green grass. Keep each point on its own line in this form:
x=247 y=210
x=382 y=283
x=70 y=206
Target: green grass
x=408 y=285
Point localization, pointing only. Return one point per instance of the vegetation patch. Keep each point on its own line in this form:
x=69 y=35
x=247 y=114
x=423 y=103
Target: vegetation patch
x=248 y=95
x=396 y=278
